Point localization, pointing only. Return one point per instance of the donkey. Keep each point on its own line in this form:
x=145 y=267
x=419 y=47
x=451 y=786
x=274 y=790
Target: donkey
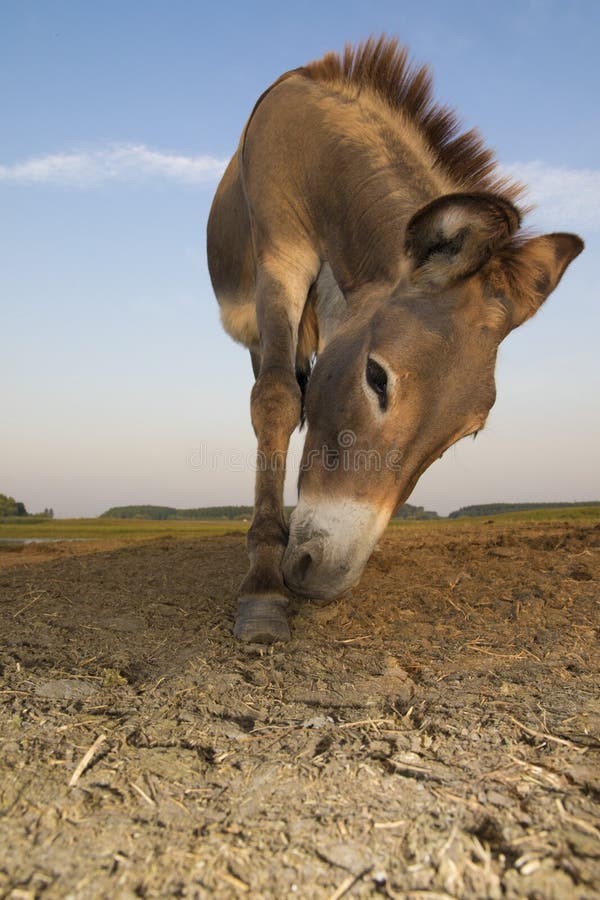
x=357 y=226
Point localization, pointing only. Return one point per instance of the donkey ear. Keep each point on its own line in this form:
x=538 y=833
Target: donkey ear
x=452 y=237
x=524 y=276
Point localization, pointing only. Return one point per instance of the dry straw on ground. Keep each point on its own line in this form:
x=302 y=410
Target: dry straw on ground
x=434 y=736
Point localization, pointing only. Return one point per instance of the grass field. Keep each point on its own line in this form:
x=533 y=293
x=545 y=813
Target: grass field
x=31 y=527
x=105 y=529
x=587 y=513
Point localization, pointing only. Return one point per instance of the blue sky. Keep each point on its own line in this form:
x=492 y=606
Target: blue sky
x=118 y=384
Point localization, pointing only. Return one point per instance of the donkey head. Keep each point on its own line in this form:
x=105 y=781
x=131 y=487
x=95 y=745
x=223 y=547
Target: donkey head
x=409 y=374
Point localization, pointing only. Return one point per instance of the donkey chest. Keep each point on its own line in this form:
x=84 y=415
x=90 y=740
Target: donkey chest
x=330 y=305
x=238 y=314
x=239 y=321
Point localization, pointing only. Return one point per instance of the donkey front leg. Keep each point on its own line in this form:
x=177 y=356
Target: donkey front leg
x=263 y=599
x=276 y=408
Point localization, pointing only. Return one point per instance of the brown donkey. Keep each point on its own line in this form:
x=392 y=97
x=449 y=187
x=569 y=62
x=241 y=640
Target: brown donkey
x=356 y=224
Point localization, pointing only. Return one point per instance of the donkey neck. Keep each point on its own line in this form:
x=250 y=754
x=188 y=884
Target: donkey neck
x=377 y=171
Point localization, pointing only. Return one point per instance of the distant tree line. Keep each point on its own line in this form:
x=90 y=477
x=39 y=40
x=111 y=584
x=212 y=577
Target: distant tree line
x=11 y=507
x=406 y=511
x=495 y=509
x=170 y=512
x=241 y=513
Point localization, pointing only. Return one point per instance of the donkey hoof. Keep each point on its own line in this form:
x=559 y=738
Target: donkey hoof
x=262 y=621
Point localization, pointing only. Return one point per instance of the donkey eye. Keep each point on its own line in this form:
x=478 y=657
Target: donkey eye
x=377 y=380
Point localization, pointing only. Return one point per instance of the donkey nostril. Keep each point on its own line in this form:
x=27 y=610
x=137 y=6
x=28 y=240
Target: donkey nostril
x=303 y=565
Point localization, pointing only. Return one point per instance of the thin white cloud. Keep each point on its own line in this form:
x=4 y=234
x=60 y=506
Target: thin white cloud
x=118 y=162
x=563 y=198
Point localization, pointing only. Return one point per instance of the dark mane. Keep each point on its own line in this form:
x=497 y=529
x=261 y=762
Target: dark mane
x=383 y=66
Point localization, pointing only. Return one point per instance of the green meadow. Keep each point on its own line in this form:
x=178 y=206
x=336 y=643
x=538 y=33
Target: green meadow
x=561 y=514
x=589 y=513
x=106 y=529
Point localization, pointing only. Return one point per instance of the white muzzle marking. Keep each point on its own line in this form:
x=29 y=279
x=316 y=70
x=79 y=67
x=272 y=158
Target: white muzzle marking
x=330 y=543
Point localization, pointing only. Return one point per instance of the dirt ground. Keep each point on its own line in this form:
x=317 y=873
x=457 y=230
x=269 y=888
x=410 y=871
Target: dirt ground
x=435 y=735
